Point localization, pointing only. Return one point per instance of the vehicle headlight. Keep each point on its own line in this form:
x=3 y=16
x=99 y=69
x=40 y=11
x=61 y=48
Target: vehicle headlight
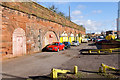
x=55 y=47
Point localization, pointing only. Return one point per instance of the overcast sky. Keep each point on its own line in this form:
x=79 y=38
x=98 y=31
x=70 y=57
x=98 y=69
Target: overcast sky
x=94 y=16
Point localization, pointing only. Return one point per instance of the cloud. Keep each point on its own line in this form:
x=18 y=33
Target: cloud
x=76 y=12
x=97 y=11
x=96 y=26
x=115 y=28
x=90 y=25
x=81 y=6
x=80 y=16
x=77 y=17
x=61 y=3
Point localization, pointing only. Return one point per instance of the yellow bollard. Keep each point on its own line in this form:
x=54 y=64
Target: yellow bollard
x=29 y=79
x=104 y=69
x=110 y=51
x=89 y=51
x=54 y=73
x=100 y=69
x=98 y=51
x=75 y=69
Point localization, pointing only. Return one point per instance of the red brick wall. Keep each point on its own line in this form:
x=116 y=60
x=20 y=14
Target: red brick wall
x=34 y=27
x=40 y=11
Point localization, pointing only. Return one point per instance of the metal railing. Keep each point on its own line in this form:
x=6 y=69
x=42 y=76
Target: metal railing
x=54 y=73
x=103 y=50
x=103 y=68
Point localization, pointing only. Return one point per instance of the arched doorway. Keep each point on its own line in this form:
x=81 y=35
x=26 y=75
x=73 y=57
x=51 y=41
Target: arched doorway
x=50 y=37
x=19 y=42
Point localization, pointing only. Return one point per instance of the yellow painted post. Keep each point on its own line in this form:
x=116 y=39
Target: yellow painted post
x=54 y=73
x=75 y=69
x=100 y=69
x=29 y=79
x=61 y=39
x=89 y=51
x=69 y=39
x=104 y=69
x=110 y=51
x=79 y=39
x=98 y=51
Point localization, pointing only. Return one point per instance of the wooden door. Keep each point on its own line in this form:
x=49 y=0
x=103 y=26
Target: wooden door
x=19 y=45
x=19 y=42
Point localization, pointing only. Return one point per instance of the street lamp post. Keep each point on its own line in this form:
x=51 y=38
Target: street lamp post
x=118 y=21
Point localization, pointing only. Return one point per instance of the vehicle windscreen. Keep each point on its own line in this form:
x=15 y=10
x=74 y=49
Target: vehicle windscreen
x=100 y=37
x=55 y=44
x=65 y=42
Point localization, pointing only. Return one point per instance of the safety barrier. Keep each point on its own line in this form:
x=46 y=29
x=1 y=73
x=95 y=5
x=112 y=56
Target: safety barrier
x=54 y=73
x=29 y=79
x=103 y=68
x=102 y=50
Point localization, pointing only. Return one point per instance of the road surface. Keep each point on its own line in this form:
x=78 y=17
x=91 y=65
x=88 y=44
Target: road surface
x=40 y=64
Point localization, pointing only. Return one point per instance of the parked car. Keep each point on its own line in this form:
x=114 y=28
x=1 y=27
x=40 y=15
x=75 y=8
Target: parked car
x=75 y=43
x=84 y=40
x=67 y=44
x=99 y=38
x=56 y=46
x=45 y=48
x=88 y=39
x=93 y=39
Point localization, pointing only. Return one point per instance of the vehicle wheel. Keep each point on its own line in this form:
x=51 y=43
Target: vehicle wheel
x=58 y=50
x=63 y=48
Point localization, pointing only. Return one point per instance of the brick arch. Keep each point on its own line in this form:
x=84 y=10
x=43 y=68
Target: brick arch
x=54 y=31
x=19 y=42
x=60 y=32
x=49 y=37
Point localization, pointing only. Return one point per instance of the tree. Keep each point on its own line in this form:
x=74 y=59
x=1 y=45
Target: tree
x=53 y=8
x=61 y=14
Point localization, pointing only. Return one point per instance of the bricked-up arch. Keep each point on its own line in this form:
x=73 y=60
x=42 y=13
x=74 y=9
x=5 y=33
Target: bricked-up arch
x=49 y=37
x=19 y=42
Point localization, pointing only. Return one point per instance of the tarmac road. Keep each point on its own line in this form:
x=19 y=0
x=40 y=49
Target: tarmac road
x=39 y=64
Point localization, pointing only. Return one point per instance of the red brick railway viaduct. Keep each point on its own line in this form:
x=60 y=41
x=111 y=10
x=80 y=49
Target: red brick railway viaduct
x=27 y=27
